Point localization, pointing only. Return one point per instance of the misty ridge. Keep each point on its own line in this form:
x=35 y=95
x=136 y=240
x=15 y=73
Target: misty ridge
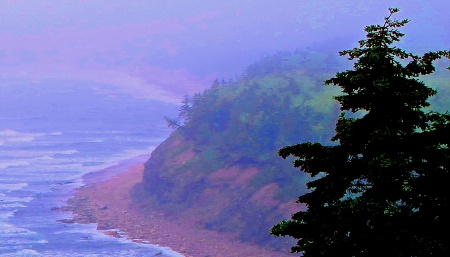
x=223 y=148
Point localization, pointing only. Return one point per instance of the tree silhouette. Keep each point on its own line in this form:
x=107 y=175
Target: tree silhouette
x=382 y=190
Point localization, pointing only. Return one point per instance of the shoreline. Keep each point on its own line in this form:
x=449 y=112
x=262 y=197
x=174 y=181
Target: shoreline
x=106 y=200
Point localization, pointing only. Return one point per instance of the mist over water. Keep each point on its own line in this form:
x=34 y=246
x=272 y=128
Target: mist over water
x=165 y=49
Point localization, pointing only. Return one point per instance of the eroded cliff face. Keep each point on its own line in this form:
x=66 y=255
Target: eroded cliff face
x=233 y=198
x=220 y=169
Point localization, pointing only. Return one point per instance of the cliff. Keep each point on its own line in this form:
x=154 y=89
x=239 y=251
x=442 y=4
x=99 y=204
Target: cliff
x=219 y=167
x=226 y=199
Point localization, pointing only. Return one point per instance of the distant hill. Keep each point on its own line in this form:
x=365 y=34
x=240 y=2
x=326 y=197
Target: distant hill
x=220 y=167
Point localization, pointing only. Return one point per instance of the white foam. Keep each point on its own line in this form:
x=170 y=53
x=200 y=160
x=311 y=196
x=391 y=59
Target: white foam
x=68 y=152
x=13 y=163
x=24 y=252
x=168 y=250
x=12 y=187
x=7 y=132
x=90 y=231
x=30 y=154
x=6 y=215
x=15 y=136
x=8 y=199
x=45 y=162
x=96 y=141
x=9 y=230
x=10 y=206
x=80 y=228
x=102 y=132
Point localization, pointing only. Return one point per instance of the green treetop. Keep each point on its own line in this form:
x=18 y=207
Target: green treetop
x=382 y=190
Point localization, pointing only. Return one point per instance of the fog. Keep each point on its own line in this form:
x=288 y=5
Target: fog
x=165 y=49
x=85 y=85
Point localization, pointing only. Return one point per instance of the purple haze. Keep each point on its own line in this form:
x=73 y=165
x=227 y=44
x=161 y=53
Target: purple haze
x=165 y=49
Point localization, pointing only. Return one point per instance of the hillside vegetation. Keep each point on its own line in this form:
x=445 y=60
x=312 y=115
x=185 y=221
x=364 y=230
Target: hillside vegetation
x=220 y=166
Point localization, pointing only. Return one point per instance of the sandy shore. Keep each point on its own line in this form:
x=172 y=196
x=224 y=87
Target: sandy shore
x=108 y=204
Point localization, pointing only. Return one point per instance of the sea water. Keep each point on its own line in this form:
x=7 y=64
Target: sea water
x=43 y=159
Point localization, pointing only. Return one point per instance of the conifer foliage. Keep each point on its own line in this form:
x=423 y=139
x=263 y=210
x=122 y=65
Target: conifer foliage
x=382 y=190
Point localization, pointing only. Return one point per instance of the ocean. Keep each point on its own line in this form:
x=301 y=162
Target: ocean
x=51 y=134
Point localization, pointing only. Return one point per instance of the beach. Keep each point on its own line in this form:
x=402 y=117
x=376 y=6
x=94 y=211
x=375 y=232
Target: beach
x=108 y=203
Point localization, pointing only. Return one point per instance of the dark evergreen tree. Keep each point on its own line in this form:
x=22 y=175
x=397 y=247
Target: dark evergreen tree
x=172 y=123
x=382 y=190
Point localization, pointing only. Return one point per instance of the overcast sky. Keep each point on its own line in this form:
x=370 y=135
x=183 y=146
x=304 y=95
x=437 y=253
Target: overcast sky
x=165 y=49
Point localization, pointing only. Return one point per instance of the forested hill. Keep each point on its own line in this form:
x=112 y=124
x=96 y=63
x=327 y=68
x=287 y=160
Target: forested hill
x=275 y=103
x=219 y=167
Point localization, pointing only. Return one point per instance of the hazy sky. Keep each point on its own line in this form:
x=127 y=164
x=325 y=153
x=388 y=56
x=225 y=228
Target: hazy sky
x=165 y=49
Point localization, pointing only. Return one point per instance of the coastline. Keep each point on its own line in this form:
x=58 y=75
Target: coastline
x=105 y=200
